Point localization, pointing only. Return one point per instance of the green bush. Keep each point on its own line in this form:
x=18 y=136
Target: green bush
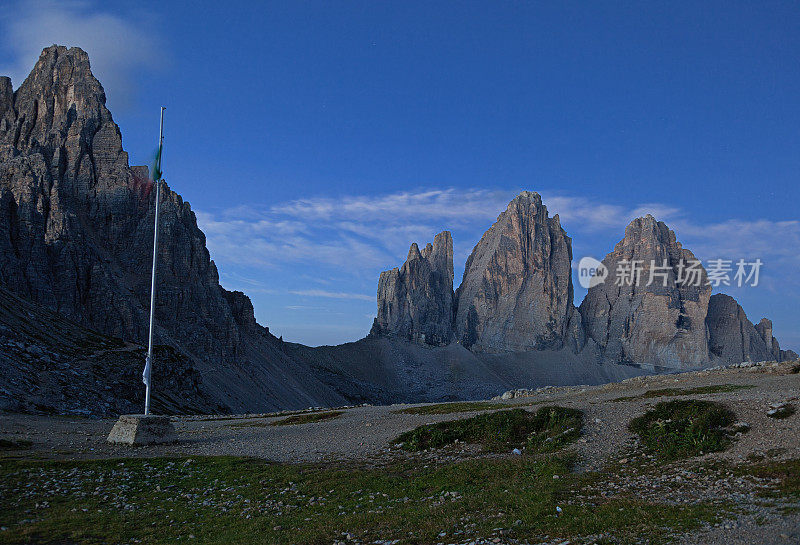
x=684 y=428
x=547 y=429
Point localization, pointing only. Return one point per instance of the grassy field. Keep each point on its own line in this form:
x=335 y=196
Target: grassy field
x=412 y=499
x=237 y=500
x=546 y=430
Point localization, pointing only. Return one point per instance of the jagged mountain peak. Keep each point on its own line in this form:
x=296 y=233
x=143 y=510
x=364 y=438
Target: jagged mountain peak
x=413 y=252
x=415 y=302
x=646 y=311
x=516 y=293
x=648 y=229
x=77 y=234
x=526 y=196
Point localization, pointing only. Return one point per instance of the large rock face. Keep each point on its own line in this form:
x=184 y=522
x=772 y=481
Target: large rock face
x=76 y=228
x=732 y=337
x=516 y=293
x=764 y=329
x=415 y=302
x=663 y=323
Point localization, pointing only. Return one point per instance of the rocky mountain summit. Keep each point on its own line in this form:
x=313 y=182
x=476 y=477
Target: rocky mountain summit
x=76 y=229
x=652 y=312
x=654 y=309
x=415 y=302
x=517 y=293
x=76 y=237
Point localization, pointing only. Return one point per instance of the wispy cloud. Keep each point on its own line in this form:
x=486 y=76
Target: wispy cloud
x=450 y=204
x=332 y=294
x=581 y=214
x=360 y=232
x=342 y=244
x=347 y=232
x=118 y=47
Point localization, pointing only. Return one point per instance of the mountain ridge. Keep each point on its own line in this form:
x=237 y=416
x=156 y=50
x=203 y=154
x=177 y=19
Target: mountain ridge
x=76 y=228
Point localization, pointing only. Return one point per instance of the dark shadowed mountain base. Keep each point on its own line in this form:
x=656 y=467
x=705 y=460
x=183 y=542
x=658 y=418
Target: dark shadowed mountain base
x=381 y=370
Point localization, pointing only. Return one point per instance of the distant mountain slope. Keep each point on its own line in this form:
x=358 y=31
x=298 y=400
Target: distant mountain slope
x=387 y=370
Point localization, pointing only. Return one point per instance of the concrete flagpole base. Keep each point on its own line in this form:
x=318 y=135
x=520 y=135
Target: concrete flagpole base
x=140 y=429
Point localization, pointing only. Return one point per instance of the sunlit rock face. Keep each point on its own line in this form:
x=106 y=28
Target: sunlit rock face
x=517 y=294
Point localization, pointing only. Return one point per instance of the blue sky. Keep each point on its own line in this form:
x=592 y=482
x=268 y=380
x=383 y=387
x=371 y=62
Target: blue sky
x=317 y=140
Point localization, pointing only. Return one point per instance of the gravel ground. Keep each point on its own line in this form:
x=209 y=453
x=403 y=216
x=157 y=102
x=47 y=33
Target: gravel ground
x=364 y=434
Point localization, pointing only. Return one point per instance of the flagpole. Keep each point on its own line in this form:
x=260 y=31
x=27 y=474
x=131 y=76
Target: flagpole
x=149 y=360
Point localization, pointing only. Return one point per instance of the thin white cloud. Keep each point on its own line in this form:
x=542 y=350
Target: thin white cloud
x=346 y=242
x=440 y=204
x=354 y=233
x=118 y=47
x=332 y=294
x=745 y=239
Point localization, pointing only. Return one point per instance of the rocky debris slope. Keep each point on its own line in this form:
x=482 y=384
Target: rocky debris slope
x=517 y=293
x=76 y=238
x=662 y=322
x=415 y=302
x=51 y=365
x=386 y=370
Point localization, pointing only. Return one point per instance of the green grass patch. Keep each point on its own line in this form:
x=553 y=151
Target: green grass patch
x=684 y=428
x=238 y=501
x=674 y=392
x=308 y=418
x=450 y=408
x=546 y=430
x=787 y=474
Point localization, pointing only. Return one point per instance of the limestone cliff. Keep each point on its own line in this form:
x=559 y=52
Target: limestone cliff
x=415 y=302
x=517 y=294
x=76 y=236
x=650 y=314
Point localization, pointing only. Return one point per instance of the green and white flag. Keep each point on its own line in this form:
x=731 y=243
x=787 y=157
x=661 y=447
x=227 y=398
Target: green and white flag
x=157 y=164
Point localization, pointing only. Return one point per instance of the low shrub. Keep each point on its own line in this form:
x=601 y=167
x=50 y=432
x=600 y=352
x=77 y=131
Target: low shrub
x=684 y=428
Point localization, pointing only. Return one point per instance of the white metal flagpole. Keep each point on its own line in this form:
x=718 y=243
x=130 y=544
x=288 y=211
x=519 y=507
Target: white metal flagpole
x=149 y=360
